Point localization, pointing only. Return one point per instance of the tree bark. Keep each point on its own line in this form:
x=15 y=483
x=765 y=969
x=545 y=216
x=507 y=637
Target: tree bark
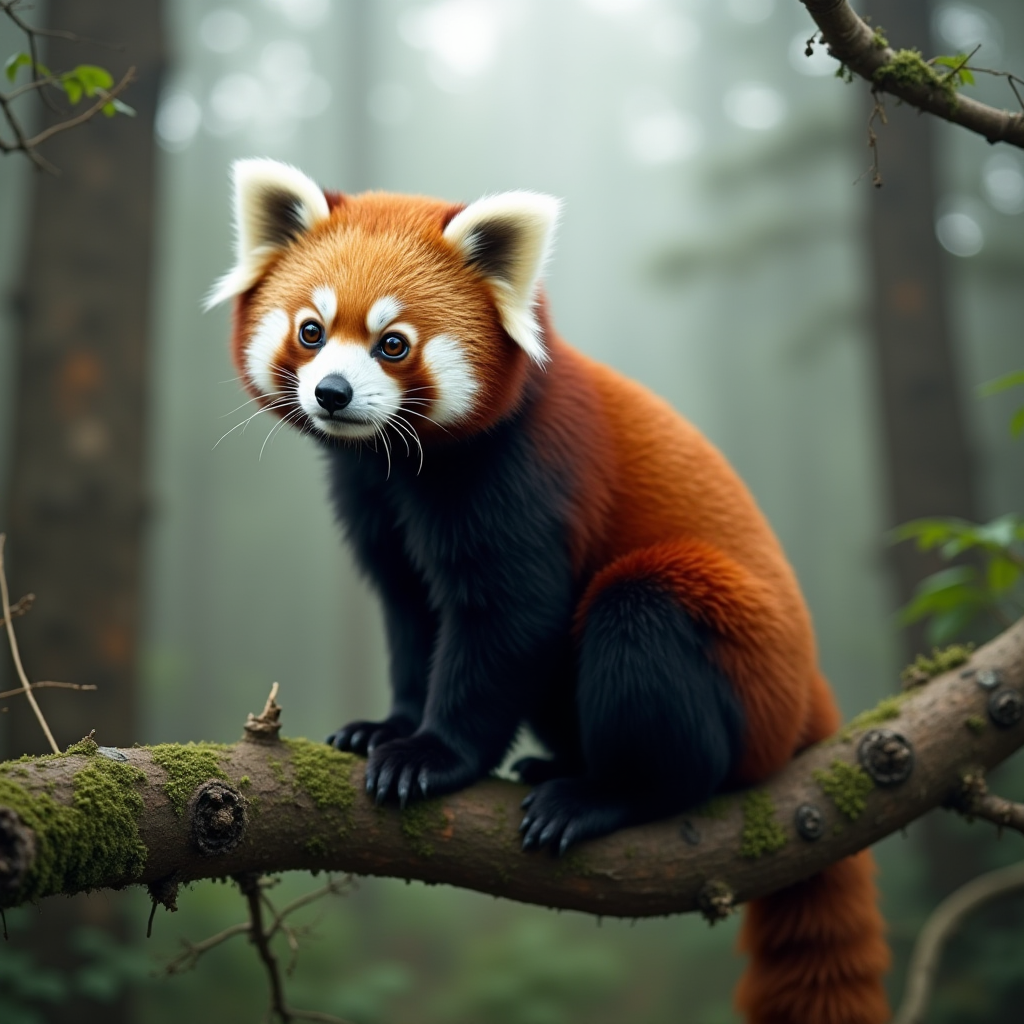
x=77 y=488
x=264 y=806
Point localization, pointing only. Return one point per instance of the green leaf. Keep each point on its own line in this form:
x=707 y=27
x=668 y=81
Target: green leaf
x=122 y=108
x=961 y=73
x=92 y=78
x=928 y=533
x=1002 y=574
x=1017 y=423
x=73 y=88
x=943 y=592
x=1014 y=379
x=947 y=626
x=15 y=61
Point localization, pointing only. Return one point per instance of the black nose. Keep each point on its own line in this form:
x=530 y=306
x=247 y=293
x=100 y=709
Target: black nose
x=333 y=393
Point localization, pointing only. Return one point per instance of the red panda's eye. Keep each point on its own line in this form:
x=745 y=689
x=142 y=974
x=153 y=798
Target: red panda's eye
x=311 y=334
x=394 y=346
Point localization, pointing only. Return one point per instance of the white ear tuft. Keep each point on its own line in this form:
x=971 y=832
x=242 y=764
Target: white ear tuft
x=507 y=238
x=274 y=203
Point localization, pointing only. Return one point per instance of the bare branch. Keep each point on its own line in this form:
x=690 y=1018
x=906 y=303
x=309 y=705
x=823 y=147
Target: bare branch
x=943 y=922
x=16 y=654
x=48 y=685
x=861 y=49
x=20 y=607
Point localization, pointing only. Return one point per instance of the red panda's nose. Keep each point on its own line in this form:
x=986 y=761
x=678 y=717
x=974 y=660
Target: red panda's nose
x=333 y=393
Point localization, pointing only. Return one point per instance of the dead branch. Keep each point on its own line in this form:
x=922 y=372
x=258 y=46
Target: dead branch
x=943 y=922
x=47 y=684
x=20 y=607
x=253 y=888
x=266 y=805
x=26 y=686
x=866 y=53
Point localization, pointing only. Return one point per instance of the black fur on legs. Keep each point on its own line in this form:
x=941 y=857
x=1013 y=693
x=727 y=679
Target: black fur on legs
x=660 y=724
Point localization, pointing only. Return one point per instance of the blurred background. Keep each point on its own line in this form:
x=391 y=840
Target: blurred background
x=721 y=242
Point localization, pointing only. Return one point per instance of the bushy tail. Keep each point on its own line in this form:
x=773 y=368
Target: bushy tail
x=817 y=951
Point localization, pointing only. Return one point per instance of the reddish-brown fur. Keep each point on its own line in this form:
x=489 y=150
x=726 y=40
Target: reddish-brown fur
x=652 y=498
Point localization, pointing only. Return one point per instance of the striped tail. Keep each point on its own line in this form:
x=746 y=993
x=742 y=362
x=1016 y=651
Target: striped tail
x=817 y=951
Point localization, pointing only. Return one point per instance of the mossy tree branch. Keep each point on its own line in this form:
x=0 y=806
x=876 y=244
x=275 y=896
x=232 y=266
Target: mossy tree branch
x=96 y=817
x=904 y=74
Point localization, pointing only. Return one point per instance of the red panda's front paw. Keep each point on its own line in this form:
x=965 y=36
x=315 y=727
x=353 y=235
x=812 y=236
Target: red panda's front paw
x=420 y=766
x=363 y=737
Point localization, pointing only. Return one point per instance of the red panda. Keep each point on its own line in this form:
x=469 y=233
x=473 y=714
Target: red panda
x=554 y=547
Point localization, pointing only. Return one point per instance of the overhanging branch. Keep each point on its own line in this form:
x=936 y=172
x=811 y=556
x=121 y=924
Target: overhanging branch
x=857 y=45
x=99 y=817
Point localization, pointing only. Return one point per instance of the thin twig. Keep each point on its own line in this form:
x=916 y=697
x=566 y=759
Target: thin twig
x=105 y=97
x=945 y=919
x=25 y=684
x=194 y=950
x=48 y=685
x=20 y=607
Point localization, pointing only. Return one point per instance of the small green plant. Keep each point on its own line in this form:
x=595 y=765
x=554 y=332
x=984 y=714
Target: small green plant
x=955 y=598
x=990 y=585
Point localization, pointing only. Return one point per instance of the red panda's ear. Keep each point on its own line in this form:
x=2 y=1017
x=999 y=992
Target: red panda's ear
x=274 y=203
x=507 y=238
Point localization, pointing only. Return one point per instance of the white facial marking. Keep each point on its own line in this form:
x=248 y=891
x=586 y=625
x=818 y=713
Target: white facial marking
x=326 y=301
x=453 y=378
x=375 y=396
x=382 y=313
x=270 y=334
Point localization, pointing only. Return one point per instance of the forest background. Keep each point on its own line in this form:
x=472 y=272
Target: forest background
x=714 y=246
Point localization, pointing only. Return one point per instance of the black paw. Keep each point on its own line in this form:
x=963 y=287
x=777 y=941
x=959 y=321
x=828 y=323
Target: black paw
x=561 y=812
x=417 y=767
x=535 y=770
x=362 y=737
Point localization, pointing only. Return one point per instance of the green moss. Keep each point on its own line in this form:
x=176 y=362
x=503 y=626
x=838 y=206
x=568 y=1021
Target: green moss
x=884 y=711
x=87 y=745
x=316 y=846
x=879 y=36
x=716 y=808
x=762 y=832
x=844 y=73
x=847 y=786
x=923 y=668
x=188 y=765
x=421 y=820
x=93 y=840
x=908 y=67
x=976 y=724
x=323 y=773
x=276 y=767
x=574 y=864
x=244 y=782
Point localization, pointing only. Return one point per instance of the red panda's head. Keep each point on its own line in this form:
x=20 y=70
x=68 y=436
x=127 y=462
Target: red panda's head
x=357 y=315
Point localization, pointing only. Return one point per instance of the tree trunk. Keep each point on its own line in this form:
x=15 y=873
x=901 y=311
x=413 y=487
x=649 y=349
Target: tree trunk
x=77 y=492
